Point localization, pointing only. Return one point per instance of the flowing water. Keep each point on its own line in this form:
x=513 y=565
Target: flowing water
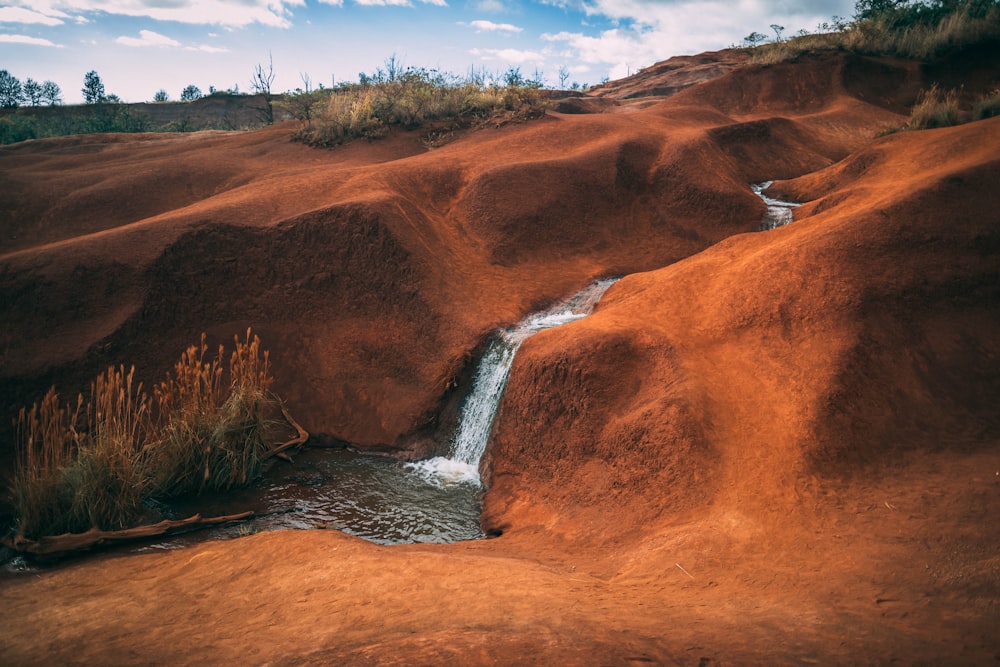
x=779 y=213
x=480 y=408
x=379 y=498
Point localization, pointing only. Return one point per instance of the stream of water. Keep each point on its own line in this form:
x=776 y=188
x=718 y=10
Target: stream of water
x=480 y=408
x=383 y=499
x=779 y=213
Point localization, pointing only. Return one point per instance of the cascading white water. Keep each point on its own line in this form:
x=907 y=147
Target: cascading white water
x=779 y=213
x=480 y=408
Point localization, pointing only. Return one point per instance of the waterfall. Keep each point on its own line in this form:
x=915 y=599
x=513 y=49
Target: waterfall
x=779 y=213
x=481 y=405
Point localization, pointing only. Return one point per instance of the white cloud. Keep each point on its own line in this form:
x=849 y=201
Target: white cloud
x=398 y=3
x=205 y=48
x=24 y=39
x=647 y=31
x=515 y=56
x=493 y=6
x=489 y=26
x=274 y=13
x=335 y=3
x=148 y=38
x=22 y=15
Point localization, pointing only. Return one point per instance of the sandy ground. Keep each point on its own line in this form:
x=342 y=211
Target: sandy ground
x=762 y=448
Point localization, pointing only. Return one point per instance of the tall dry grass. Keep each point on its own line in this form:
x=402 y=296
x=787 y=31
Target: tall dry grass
x=81 y=466
x=95 y=463
x=414 y=97
x=935 y=108
x=914 y=32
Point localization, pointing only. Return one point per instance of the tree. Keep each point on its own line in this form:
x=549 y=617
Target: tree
x=10 y=90
x=93 y=88
x=190 y=93
x=778 y=29
x=753 y=39
x=563 y=77
x=51 y=93
x=873 y=9
x=161 y=96
x=260 y=83
x=32 y=92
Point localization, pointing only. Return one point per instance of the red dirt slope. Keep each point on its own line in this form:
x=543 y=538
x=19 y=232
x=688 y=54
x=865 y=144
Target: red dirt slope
x=373 y=271
x=763 y=448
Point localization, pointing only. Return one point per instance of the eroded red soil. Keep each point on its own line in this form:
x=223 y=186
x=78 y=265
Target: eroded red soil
x=763 y=448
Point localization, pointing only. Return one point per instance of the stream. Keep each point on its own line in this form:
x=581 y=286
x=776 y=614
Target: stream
x=779 y=213
x=379 y=498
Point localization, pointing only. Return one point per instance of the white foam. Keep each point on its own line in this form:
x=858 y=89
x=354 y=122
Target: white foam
x=441 y=471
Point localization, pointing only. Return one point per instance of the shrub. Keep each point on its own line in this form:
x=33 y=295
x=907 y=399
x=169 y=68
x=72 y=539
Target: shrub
x=934 y=109
x=95 y=463
x=987 y=107
x=413 y=97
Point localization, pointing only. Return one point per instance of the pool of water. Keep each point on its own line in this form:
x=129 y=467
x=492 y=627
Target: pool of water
x=378 y=498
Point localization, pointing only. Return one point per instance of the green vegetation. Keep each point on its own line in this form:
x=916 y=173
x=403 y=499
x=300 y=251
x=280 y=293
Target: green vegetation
x=97 y=462
x=919 y=30
x=988 y=106
x=411 y=98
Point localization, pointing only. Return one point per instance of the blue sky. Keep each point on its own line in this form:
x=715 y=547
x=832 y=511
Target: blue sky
x=141 y=46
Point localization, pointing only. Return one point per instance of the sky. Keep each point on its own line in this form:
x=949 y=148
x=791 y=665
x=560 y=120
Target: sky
x=139 y=47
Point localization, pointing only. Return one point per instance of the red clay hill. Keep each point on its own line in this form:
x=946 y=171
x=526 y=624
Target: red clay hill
x=771 y=447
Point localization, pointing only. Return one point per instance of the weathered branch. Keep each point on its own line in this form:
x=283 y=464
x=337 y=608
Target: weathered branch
x=299 y=439
x=60 y=545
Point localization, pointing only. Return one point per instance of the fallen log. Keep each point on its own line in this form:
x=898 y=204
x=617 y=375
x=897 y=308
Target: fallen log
x=52 y=546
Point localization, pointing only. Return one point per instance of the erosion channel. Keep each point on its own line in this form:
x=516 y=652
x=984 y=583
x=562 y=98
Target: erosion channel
x=383 y=499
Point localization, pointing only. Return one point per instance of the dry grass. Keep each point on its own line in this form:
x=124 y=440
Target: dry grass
x=935 y=108
x=212 y=439
x=911 y=37
x=96 y=462
x=413 y=98
x=80 y=466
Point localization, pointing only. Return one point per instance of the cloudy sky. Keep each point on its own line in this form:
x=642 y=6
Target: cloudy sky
x=141 y=46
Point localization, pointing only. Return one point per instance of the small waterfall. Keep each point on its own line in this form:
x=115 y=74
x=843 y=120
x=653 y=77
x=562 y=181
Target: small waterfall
x=779 y=213
x=480 y=408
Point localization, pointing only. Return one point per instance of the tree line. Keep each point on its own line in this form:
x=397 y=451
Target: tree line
x=30 y=93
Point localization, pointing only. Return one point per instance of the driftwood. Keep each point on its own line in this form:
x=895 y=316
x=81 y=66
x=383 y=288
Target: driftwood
x=299 y=439
x=61 y=545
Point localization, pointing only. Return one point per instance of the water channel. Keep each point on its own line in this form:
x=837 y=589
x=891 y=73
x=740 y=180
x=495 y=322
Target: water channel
x=380 y=498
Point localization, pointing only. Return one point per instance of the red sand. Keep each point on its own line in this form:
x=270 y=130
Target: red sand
x=766 y=448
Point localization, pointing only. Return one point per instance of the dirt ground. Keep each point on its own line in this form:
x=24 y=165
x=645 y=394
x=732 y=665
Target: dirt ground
x=762 y=448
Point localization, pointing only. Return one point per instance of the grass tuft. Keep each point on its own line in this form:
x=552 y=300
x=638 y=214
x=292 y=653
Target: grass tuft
x=94 y=464
x=934 y=109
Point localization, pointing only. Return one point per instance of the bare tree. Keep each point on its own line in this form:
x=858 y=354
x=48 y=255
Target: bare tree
x=778 y=29
x=260 y=83
x=563 y=77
